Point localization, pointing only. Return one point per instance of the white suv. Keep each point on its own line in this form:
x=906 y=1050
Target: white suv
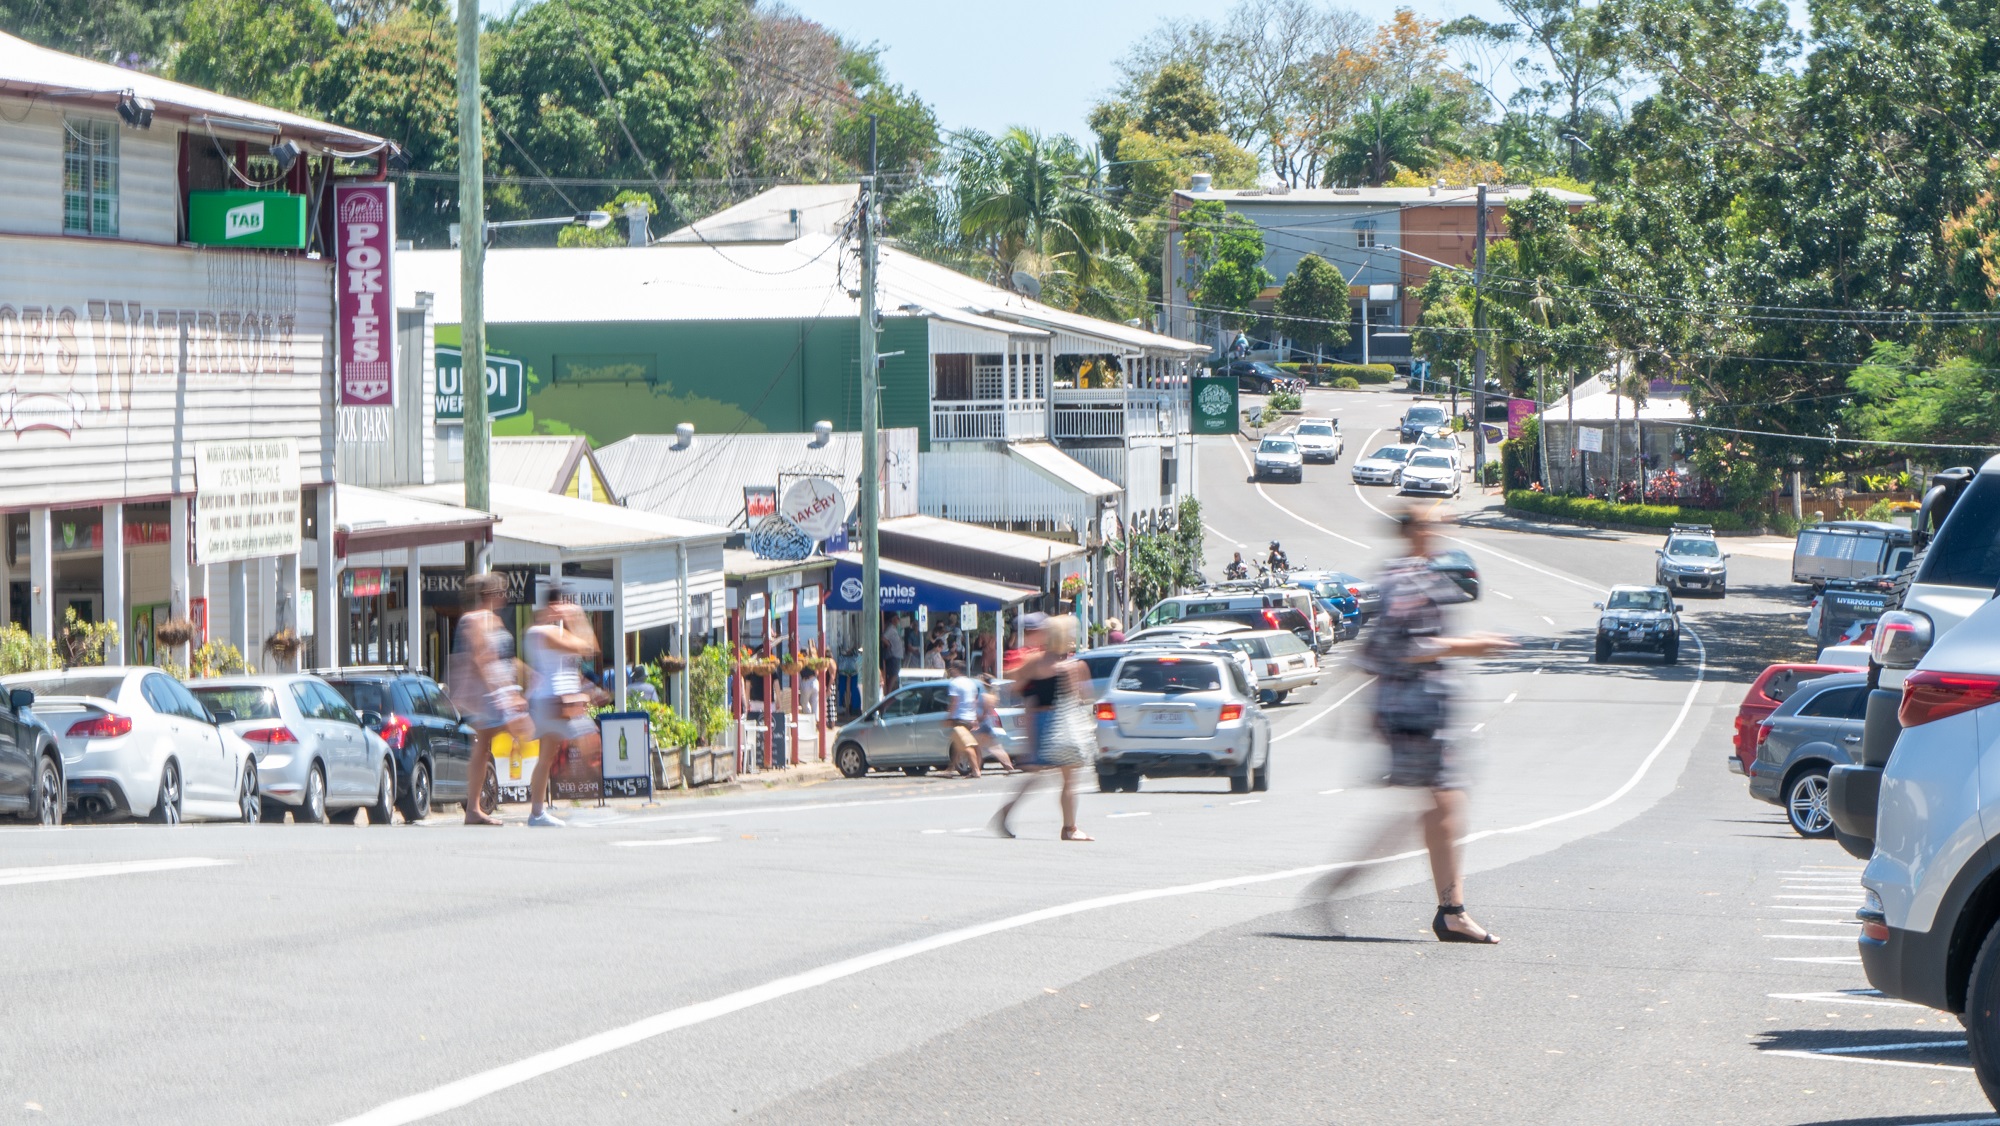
x=1931 y=927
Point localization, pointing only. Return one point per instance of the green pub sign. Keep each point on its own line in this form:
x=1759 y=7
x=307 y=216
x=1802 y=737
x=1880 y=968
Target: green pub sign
x=1214 y=404
x=506 y=387
x=266 y=219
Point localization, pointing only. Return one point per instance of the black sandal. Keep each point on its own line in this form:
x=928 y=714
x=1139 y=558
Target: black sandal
x=1446 y=934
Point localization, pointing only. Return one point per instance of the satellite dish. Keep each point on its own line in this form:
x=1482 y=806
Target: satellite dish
x=1027 y=283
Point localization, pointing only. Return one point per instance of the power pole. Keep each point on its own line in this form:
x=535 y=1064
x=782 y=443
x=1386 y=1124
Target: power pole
x=1479 y=344
x=472 y=261
x=871 y=392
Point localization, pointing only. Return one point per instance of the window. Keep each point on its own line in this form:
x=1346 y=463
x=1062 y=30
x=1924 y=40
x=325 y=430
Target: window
x=362 y=695
x=1168 y=675
x=1966 y=551
x=1364 y=233
x=336 y=707
x=90 y=176
x=1838 y=703
x=157 y=695
x=310 y=705
x=244 y=703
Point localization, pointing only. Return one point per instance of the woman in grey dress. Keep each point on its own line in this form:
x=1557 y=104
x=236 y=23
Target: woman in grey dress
x=1055 y=690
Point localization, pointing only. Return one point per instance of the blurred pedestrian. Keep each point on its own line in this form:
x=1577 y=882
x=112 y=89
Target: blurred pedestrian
x=1114 y=631
x=556 y=648
x=962 y=719
x=1405 y=649
x=485 y=686
x=1054 y=686
x=892 y=653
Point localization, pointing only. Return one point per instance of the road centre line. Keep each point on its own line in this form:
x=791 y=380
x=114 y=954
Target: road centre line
x=1136 y=813
x=1511 y=697
x=54 y=873
x=1502 y=594
x=1323 y=712
x=671 y=841
x=796 y=807
x=462 y=1092
x=1854 y=960
x=1828 y=898
x=1259 y=486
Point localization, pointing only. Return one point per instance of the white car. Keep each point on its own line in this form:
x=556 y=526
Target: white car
x=1279 y=661
x=1318 y=439
x=1930 y=926
x=315 y=758
x=1278 y=456
x=1430 y=474
x=1436 y=442
x=135 y=742
x=1383 y=467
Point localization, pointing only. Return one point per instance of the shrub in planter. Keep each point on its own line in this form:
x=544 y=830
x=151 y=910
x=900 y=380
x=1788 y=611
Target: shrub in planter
x=1347 y=383
x=1606 y=512
x=1286 y=401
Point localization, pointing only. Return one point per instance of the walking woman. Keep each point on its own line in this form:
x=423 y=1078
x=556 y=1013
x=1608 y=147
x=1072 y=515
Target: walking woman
x=1062 y=736
x=483 y=684
x=1405 y=650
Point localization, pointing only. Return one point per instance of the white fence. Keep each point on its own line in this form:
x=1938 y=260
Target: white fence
x=984 y=421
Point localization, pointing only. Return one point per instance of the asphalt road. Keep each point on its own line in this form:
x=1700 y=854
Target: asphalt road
x=861 y=951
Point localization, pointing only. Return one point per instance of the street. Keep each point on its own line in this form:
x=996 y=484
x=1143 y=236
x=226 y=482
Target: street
x=865 y=951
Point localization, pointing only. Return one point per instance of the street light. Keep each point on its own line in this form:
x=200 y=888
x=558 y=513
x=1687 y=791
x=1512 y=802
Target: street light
x=594 y=220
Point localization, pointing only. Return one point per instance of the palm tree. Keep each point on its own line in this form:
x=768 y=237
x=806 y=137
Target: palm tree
x=1027 y=203
x=1413 y=132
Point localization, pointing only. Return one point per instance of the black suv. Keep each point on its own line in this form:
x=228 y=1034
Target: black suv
x=431 y=743
x=1421 y=417
x=32 y=781
x=1255 y=375
x=1270 y=617
x=1639 y=619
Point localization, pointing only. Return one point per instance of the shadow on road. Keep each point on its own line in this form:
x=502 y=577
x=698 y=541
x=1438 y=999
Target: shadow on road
x=1289 y=936
x=1904 y=1120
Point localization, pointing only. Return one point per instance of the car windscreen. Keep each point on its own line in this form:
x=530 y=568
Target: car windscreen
x=1316 y=430
x=1637 y=600
x=70 y=684
x=1101 y=667
x=1391 y=453
x=1276 y=446
x=1703 y=548
x=1966 y=551
x=1430 y=461
x=245 y=701
x=1168 y=675
x=1426 y=414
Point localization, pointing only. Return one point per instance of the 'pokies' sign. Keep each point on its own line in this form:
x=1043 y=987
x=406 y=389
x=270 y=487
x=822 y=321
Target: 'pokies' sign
x=364 y=233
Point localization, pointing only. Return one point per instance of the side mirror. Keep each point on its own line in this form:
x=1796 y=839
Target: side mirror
x=1901 y=639
x=21 y=699
x=371 y=720
x=1728 y=555
x=220 y=716
x=1659 y=551
x=1598 y=605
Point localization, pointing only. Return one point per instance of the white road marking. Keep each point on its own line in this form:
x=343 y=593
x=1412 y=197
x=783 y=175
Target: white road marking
x=1548 y=619
x=1883 y=1063
x=1139 y=813
x=1511 y=697
x=672 y=841
x=928 y=832
x=1824 y=922
x=1323 y=712
x=1335 y=790
x=1848 y=961
x=53 y=873
x=1477 y=728
x=1259 y=486
x=795 y=807
x=1247 y=801
x=1813 y=937
x=1844 y=998
x=1502 y=594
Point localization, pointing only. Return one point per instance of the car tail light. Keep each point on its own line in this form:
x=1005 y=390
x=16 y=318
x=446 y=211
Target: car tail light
x=106 y=726
x=1106 y=711
x=1231 y=711
x=1355 y=591
x=1271 y=619
x=1931 y=696
x=1272 y=667
x=1763 y=734
x=271 y=735
x=395 y=731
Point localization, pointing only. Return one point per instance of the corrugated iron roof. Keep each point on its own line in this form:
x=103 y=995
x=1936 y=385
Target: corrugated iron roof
x=978 y=537
x=574 y=529
x=704 y=479
x=27 y=68
x=1063 y=469
x=543 y=461
x=778 y=214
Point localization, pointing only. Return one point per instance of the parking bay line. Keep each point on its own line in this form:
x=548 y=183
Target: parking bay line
x=1844 y=997
x=1812 y=937
x=1822 y=1055
x=671 y=841
x=53 y=873
x=462 y=1092
x=1853 y=960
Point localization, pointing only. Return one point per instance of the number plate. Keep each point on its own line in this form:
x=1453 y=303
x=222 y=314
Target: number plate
x=1168 y=717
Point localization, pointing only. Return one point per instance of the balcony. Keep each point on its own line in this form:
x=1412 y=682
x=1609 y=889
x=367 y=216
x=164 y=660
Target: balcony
x=1118 y=413
x=982 y=421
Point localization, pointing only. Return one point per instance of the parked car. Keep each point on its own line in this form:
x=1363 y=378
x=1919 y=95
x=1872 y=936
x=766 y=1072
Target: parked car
x=1270 y=617
x=1383 y=467
x=1170 y=715
x=1814 y=730
x=1772 y=687
x=1960 y=565
x=1439 y=442
x=1930 y=924
x=1180 y=607
x=1333 y=595
x=1256 y=375
x=1421 y=417
x=1368 y=593
x=1175 y=630
x=906 y=731
x=1848 y=549
x=135 y=742
x=1278 y=457
x=428 y=738
x=1318 y=439
x=32 y=783
x=1457 y=566
x=1431 y=474
x=1638 y=619
x=316 y=759
x=1692 y=560
x=1283 y=664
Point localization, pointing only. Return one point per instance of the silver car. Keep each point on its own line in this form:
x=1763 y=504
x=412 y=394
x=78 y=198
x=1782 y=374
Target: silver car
x=136 y=743
x=1383 y=467
x=1181 y=715
x=1318 y=439
x=1278 y=662
x=316 y=757
x=1692 y=560
x=1278 y=456
x=906 y=731
x=1817 y=728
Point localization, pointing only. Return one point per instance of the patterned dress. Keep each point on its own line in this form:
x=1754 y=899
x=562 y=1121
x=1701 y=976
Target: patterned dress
x=1412 y=695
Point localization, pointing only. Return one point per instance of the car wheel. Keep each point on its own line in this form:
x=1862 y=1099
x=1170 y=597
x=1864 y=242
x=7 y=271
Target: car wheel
x=1672 y=652
x=383 y=810
x=1110 y=781
x=1982 y=1015
x=964 y=767
x=312 y=806
x=853 y=763
x=1722 y=592
x=489 y=794
x=1263 y=781
x=417 y=805
x=249 y=801
x=50 y=793
x=1280 y=697
x=916 y=771
x=1806 y=803
x=1244 y=780
x=167 y=806
x=1603 y=653
x=1129 y=781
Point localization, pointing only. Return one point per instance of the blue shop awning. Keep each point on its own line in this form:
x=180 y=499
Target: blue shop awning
x=906 y=586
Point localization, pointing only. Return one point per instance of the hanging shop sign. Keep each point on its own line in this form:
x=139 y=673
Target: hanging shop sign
x=447 y=585
x=364 y=233
x=759 y=501
x=268 y=219
x=815 y=505
x=246 y=497
x=361 y=582
x=506 y=385
x=1214 y=404
x=775 y=537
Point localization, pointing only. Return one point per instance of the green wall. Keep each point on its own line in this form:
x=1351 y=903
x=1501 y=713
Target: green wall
x=750 y=376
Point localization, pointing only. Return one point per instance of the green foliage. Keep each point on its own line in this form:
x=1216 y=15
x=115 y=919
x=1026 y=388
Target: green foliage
x=214 y=658
x=669 y=730
x=255 y=49
x=1347 y=383
x=1360 y=373
x=1282 y=401
x=21 y=651
x=1737 y=468
x=84 y=642
x=130 y=32
x=1178 y=103
x=1640 y=515
x=1896 y=399
x=1161 y=563
x=1413 y=131
x=1312 y=305
x=708 y=687
x=1227 y=251
x=615 y=234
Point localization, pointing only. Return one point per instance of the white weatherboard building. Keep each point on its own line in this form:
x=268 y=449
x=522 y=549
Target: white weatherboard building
x=166 y=413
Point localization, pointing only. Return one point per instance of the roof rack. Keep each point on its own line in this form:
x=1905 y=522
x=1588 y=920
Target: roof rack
x=1703 y=529
x=361 y=668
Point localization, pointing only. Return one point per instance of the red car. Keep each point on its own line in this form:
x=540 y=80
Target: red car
x=1773 y=685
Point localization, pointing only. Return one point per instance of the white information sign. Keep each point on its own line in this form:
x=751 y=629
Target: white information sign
x=246 y=499
x=1590 y=439
x=968 y=616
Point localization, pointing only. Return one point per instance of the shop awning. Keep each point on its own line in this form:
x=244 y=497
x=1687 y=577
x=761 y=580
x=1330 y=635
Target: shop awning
x=906 y=586
x=958 y=548
x=374 y=520
x=1062 y=469
x=543 y=527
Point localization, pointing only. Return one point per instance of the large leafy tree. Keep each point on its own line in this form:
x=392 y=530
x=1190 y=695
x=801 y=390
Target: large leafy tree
x=1025 y=203
x=1312 y=305
x=1412 y=132
x=128 y=32
x=1226 y=252
x=256 y=49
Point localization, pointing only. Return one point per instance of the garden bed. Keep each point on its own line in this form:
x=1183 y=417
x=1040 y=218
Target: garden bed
x=1590 y=512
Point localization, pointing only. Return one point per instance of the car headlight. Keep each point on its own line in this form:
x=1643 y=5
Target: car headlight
x=1607 y=623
